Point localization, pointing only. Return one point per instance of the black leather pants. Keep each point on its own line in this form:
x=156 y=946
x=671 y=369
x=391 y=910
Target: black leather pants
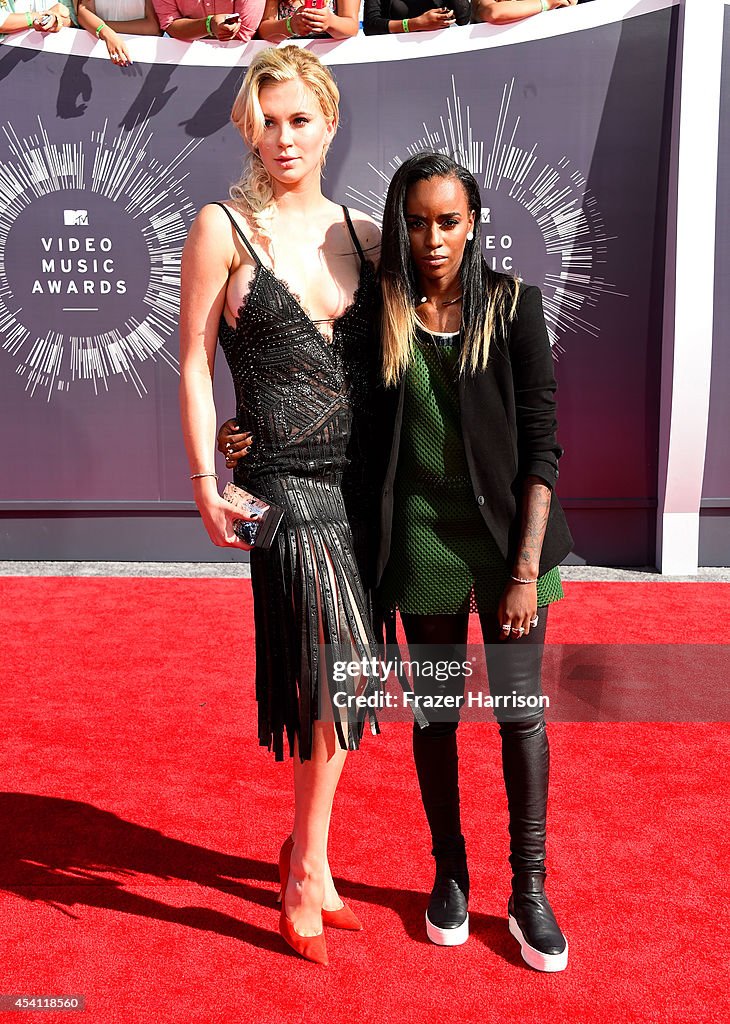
x=525 y=751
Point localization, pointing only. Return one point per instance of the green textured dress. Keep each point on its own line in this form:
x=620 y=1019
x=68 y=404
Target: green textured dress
x=443 y=559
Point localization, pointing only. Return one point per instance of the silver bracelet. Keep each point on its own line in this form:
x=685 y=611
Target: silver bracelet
x=196 y=476
x=518 y=580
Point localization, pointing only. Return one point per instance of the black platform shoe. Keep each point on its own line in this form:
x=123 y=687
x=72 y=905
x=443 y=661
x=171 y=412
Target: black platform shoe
x=533 y=924
x=447 y=917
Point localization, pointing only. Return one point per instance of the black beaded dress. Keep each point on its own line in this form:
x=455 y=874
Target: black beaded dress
x=306 y=400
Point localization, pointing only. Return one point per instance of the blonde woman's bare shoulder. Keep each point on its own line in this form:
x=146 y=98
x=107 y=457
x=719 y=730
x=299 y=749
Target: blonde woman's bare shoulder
x=213 y=217
x=211 y=225
x=212 y=229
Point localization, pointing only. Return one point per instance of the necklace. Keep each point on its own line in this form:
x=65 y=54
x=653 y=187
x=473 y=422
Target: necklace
x=447 y=302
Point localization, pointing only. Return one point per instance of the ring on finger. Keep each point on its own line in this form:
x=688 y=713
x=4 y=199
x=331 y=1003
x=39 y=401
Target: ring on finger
x=506 y=627
x=518 y=630
x=534 y=622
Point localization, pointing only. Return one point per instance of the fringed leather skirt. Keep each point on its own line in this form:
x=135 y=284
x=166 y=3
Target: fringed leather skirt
x=311 y=612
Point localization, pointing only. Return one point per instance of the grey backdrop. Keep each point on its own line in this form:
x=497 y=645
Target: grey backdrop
x=574 y=177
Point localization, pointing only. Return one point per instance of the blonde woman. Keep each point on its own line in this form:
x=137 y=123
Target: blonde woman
x=284 y=278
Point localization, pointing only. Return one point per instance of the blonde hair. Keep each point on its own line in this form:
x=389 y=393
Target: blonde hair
x=399 y=324
x=254 y=190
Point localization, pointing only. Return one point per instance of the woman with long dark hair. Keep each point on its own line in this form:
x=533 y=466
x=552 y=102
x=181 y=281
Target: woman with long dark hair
x=468 y=516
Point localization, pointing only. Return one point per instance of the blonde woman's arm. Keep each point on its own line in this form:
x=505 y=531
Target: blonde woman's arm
x=206 y=263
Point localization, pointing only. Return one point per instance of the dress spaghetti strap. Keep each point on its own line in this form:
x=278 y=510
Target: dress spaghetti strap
x=240 y=233
x=353 y=234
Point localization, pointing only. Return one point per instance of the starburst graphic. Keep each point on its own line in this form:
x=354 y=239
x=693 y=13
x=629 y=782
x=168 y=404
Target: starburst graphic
x=517 y=180
x=91 y=237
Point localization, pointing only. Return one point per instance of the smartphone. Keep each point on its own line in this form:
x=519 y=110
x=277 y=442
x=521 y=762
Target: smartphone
x=315 y=5
x=47 y=20
x=231 y=19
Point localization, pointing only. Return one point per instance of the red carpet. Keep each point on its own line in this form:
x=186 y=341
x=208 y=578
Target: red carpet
x=140 y=823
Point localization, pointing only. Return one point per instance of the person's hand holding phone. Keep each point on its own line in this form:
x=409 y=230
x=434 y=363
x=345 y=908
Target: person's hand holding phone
x=225 y=26
x=47 y=22
x=430 y=21
x=52 y=20
x=316 y=16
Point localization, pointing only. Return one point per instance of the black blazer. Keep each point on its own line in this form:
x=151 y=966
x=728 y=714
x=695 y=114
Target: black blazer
x=508 y=425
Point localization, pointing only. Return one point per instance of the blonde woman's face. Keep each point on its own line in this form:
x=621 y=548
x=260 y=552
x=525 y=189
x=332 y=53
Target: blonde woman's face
x=295 y=133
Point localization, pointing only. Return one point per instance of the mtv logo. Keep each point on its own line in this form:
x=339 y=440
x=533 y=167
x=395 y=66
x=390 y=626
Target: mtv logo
x=73 y=217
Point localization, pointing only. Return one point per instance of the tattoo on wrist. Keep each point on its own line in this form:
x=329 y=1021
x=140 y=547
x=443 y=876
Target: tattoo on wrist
x=534 y=524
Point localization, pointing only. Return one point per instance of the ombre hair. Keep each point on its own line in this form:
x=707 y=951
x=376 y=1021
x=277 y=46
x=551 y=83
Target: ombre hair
x=489 y=300
x=254 y=190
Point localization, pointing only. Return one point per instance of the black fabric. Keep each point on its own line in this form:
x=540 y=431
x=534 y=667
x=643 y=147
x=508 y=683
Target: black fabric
x=305 y=399
x=509 y=430
x=377 y=13
x=513 y=665
x=526 y=768
x=437 y=766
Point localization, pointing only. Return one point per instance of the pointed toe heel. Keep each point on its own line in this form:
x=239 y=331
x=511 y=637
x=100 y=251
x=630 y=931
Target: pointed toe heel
x=342 y=918
x=311 y=947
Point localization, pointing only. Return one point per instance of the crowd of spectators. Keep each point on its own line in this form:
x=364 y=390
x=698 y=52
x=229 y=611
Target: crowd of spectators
x=242 y=20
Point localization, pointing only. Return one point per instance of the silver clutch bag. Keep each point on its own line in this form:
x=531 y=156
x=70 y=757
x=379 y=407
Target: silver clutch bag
x=261 y=533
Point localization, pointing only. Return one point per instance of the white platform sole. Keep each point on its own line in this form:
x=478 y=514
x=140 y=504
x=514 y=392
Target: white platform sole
x=533 y=957
x=447 y=936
